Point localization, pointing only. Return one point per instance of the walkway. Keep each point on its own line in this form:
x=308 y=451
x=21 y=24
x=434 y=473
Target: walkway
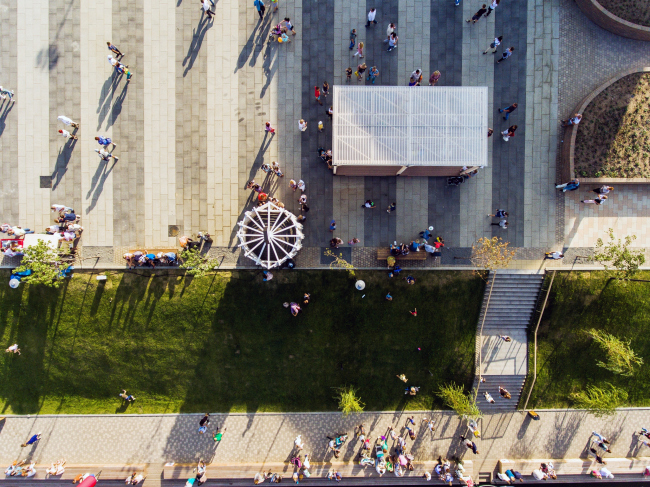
x=268 y=438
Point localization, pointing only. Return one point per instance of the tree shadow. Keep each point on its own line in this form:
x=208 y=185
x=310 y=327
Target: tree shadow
x=117 y=107
x=62 y=160
x=197 y=40
x=97 y=183
x=8 y=106
x=104 y=99
x=49 y=57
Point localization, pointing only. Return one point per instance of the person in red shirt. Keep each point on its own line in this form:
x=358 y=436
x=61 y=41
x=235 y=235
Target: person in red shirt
x=317 y=94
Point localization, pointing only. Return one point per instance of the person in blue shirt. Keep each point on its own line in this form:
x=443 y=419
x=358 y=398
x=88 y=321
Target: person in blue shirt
x=105 y=142
x=414 y=246
x=259 y=4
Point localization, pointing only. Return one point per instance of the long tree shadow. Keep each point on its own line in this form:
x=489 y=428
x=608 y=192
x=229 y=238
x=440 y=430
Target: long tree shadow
x=49 y=57
x=117 y=107
x=97 y=183
x=62 y=160
x=106 y=96
x=197 y=40
x=8 y=106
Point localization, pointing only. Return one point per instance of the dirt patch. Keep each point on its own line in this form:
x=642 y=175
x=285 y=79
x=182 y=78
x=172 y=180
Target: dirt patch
x=613 y=139
x=635 y=11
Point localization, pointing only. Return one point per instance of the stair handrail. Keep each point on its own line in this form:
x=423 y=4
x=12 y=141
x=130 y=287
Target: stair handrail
x=480 y=349
x=539 y=320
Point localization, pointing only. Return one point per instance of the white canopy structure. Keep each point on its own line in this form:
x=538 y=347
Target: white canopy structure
x=270 y=235
x=402 y=130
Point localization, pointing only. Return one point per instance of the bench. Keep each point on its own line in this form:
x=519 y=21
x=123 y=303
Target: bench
x=575 y=469
x=384 y=253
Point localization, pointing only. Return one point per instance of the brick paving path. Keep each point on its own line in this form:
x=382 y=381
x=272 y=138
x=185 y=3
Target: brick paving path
x=268 y=438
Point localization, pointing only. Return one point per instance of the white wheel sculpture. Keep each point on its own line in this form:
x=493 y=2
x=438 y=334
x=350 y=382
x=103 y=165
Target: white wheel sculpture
x=270 y=235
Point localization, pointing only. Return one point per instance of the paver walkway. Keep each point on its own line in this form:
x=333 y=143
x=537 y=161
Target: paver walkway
x=268 y=438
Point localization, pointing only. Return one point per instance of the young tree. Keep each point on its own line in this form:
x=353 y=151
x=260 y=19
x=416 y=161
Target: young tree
x=348 y=400
x=463 y=404
x=339 y=262
x=600 y=401
x=196 y=263
x=491 y=253
x=621 y=359
x=617 y=254
x=42 y=260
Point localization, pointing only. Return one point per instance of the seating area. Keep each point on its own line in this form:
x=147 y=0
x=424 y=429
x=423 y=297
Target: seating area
x=108 y=472
x=384 y=253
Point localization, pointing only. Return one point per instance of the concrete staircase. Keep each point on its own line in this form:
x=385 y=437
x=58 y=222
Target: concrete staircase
x=512 y=305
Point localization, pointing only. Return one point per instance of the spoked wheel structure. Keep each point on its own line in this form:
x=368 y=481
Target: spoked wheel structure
x=270 y=235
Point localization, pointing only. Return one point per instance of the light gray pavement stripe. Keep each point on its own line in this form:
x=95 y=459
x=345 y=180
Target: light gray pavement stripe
x=268 y=438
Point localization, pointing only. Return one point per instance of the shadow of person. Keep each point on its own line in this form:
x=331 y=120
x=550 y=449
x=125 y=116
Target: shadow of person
x=8 y=106
x=246 y=51
x=106 y=96
x=117 y=106
x=197 y=40
x=97 y=183
x=269 y=67
x=62 y=160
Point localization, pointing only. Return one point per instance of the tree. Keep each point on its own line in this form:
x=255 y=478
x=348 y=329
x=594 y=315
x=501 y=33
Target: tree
x=196 y=263
x=617 y=254
x=463 y=404
x=42 y=260
x=339 y=262
x=491 y=253
x=348 y=400
x=600 y=401
x=621 y=359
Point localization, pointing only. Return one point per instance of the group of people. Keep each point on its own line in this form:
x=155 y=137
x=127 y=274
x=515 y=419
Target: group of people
x=141 y=258
x=417 y=245
x=21 y=469
x=602 y=192
x=294 y=307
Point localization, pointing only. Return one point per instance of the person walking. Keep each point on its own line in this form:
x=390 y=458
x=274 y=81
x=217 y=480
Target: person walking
x=502 y=223
x=508 y=110
x=218 y=434
x=505 y=338
x=353 y=38
x=67 y=134
x=267 y=276
x=372 y=74
x=7 y=93
x=205 y=4
x=557 y=255
x=332 y=225
x=301 y=186
x=326 y=89
x=302 y=125
x=392 y=42
x=348 y=74
x=32 y=440
x=361 y=68
x=289 y=26
x=259 y=5
x=368 y=204
x=599 y=200
x=330 y=112
x=603 y=189
x=499 y=214
x=67 y=121
x=276 y=169
x=371 y=17
x=391 y=208
x=493 y=45
x=13 y=349
x=570 y=186
x=575 y=120
x=114 y=49
x=105 y=155
x=355 y=240
x=389 y=30
x=359 y=50
x=493 y=5
x=509 y=132
x=506 y=54
x=479 y=13
x=433 y=79
x=105 y=142
x=317 y=95
x=268 y=128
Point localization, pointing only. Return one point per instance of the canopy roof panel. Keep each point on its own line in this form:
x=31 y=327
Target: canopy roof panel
x=410 y=126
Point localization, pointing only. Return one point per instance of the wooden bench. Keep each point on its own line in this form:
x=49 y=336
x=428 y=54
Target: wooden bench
x=384 y=253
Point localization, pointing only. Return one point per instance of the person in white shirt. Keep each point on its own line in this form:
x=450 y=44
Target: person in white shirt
x=492 y=6
x=302 y=125
x=575 y=120
x=67 y=135
x=389 y=31
x=371 y=17
x=493 y=45
x=68 y=121
x=554 y=255
x=105 y=155
x=301 y=185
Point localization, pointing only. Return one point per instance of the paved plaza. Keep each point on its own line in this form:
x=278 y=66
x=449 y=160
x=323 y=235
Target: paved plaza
x=189 y=125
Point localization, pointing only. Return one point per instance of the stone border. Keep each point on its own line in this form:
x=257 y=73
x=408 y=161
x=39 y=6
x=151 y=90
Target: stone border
x=602 y=17
x=570 y=133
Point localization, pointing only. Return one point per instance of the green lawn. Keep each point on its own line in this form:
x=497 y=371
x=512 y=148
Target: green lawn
x=566 y=359
x=225 y=343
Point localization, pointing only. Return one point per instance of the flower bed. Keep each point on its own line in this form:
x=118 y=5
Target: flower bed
x=634 y=11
